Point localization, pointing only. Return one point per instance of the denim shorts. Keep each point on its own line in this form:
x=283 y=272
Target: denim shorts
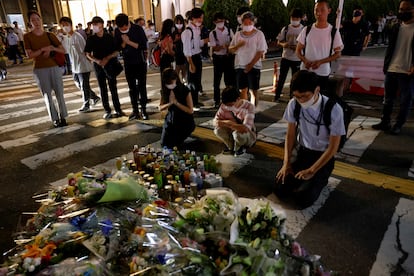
x=250 y=80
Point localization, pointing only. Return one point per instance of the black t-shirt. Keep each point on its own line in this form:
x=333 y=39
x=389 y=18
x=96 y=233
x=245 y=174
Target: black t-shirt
x=353 y=37
x=100 y=47
x=131 y=55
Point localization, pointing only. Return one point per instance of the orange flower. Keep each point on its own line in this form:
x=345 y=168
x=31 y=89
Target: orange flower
x=34 y=251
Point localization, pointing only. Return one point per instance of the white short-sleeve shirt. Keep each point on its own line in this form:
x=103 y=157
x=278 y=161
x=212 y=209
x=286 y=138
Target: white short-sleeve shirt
x=318 y=45
x=255 y=42
x=74 y=46
x=308 y=124
x=290 y=37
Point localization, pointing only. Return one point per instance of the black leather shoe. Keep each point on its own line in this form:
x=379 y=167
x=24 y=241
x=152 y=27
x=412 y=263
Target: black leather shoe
x=63 y=123
x=395 y=130
x=385 y=126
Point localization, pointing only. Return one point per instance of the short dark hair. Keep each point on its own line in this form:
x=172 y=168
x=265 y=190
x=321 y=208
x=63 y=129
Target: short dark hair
x=296 y=13
x=230 y=94
x=97 y=19
x=324 y=1
x=218 y=15
x=65 y=19
x=121 y=20
x=242 y=10
x=31 y=12
x=411 y=1
x=14 y=22
x=303 y=81
x=196 y=13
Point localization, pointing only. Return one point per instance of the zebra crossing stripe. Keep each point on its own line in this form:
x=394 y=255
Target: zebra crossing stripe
x=360 y=136
x=296 y=220
x=57 y=154
x=396 y=253
x=33 y=138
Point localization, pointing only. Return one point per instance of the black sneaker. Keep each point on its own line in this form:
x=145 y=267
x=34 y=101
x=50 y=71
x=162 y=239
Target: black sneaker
x=63 y=123
x=96 y=101
x=84 y=109
x=133 y=116
x=385 y=126
x=395 y=130
x=144 y=115
x=120 y=114
x=107 y=115
x=56 y=123
x=239 y=152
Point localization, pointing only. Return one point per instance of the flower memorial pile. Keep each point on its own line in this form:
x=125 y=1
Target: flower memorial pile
x=122 y=223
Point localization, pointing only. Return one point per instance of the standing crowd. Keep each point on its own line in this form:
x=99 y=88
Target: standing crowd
x=315 y=115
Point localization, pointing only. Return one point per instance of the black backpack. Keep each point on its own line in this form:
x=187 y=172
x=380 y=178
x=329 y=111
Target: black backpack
x=325 y=113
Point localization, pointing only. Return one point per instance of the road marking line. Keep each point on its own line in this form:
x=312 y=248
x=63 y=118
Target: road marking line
x=397 y=239
x=360 y=137
x=296 y=220
x=57 y=154
x=35 y=137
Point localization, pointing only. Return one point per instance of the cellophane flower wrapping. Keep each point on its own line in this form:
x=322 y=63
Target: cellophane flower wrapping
x=103 y=225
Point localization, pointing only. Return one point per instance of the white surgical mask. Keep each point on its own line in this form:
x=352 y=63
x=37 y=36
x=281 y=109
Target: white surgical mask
x=294 y=22
x=124 y=32
x=198 y=24
x=220 y=25
x=239 y=20
x=308 y=103
x=96 y=28
x=171 y=86
x=247 y=28
x=179 y=26
x=66 y=29
x=152 y=28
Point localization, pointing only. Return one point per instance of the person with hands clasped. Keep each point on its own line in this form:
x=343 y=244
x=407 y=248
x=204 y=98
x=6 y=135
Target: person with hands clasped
x=39 y=47
x=249 y=45
x=132 y=41
x=192 y=43
x=319 y=44
x=304 y=178
x=223 y=62
x=179 y=121
x=287 y=40
x=100 y=49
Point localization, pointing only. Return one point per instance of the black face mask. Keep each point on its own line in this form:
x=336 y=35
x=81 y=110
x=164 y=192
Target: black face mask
x=405 y=16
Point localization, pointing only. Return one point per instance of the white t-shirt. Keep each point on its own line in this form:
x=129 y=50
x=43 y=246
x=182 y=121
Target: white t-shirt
x=255 y=42
x=308 y=124
x=291 y=37
x=317 y=46
x=74 y=46
x=223 y=38
x=402 y=56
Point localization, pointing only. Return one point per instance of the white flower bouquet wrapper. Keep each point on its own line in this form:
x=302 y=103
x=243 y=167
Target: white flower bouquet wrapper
x=267 y=210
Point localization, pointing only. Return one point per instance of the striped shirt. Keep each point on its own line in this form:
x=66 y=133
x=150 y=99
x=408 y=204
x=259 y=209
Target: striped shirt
x=242 y=109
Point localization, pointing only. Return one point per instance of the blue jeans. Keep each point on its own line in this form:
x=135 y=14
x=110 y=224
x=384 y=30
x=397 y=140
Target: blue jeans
x=403 y=83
